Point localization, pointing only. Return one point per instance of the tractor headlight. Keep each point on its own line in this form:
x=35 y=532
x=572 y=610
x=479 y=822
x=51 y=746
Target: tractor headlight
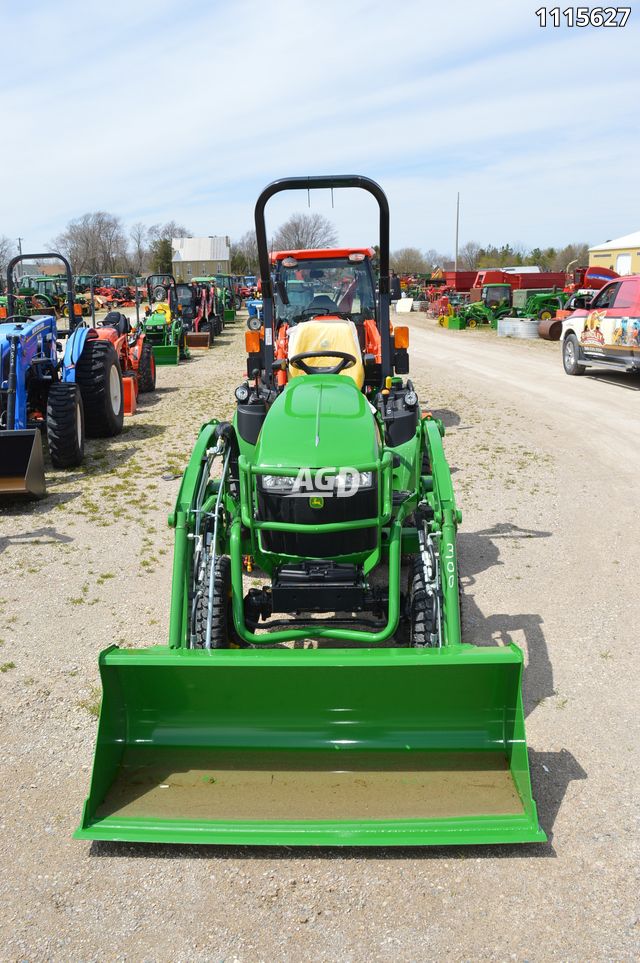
x=242 y=393
x=366 y=479
x=278 y=483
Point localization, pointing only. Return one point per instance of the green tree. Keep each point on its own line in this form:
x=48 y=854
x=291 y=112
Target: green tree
x=161 y=253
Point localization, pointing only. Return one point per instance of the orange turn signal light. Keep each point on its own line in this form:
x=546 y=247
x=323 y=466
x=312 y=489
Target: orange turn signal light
x=401 y=336
x=77 y=310
x=3 y=312
x=252 y=342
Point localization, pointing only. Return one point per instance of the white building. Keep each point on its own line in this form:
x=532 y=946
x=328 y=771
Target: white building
x=194 y=257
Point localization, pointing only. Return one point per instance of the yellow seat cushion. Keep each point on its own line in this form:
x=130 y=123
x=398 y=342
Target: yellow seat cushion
x=332 y=336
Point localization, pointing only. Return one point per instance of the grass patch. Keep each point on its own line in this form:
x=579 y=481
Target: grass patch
x=93 y=702
x=6 y=666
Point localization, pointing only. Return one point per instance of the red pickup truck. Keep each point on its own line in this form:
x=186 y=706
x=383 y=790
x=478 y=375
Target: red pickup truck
x=606 y=332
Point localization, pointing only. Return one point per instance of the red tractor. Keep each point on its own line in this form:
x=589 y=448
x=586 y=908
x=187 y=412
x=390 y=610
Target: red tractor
x=135 y=355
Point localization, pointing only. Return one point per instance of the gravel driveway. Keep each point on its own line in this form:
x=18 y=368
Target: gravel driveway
x=546 y=471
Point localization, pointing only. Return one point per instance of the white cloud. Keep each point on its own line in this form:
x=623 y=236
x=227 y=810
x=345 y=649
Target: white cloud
x=154 y=116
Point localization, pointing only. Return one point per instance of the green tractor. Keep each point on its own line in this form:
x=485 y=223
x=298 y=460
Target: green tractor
x=329 y=699
x=162 y=322
x=495 y=303
x=542 y=305
x=227 y=296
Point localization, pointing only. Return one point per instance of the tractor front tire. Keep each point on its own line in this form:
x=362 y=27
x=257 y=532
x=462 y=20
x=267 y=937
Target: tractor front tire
x=146 y=369
x=570 y=355
x=99 y=377
x=65 y=425
x=222 y=633
x=422 y=607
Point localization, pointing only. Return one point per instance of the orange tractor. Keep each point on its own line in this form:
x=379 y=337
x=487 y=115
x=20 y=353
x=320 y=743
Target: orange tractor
x=135 y=355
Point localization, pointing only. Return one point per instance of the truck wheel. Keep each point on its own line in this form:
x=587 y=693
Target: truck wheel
x=99 y=377
x=222 y=634
x=146 y=369
x=422 y=608
x=570 y=355
x=65 y=425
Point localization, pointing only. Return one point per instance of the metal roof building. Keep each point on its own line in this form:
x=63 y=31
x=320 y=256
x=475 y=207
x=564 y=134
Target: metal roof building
x=196 y=256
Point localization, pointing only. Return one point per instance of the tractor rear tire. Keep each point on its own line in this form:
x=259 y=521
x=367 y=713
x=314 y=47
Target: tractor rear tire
x=422 y=611
x=99 y=377
x=146 y=369
x=222 y=633
x=65 y=425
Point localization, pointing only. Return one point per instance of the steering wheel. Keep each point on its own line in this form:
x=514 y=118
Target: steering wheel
x=312 y=312
x=346 y=361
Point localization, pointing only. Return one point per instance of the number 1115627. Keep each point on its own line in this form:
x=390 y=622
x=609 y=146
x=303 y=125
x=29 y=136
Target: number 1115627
x=583 y=16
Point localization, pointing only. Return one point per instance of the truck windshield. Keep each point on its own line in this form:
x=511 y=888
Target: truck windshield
x=325 y=286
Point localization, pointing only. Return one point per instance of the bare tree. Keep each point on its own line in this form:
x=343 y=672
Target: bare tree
x=303 y=232
x=167 y=231
x=244 y=254
x=469 y=256
x=94 y=243
x=435 y=259
x=139 y=253
x=7 y=251
x=408 y=260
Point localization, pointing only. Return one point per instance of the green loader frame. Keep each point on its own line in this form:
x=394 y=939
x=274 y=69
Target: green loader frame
x=377 y=725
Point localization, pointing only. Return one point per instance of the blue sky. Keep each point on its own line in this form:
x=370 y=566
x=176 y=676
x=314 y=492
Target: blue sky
x=162 y=110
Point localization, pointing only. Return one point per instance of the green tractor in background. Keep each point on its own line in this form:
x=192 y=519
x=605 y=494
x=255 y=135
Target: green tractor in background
x=542 y=305
x=495 y=303
x=334 y=701
x=162 y=322
x=227 y=296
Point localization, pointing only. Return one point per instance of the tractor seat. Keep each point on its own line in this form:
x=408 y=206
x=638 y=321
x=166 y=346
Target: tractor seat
x=118 y=321
x=321 y=302
x=332 y=335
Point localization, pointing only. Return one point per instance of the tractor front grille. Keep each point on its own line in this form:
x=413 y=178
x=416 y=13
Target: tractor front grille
x=278 y=507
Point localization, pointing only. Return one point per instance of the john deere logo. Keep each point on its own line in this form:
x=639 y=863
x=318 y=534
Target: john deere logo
x=316 y=502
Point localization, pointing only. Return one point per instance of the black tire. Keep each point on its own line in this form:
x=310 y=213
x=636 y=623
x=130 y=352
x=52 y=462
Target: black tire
x=222 y=632
x=99 y=378
x=146 y=369
x=206 y=328
x=65 y=425
x=570 y=355
x=422 y=608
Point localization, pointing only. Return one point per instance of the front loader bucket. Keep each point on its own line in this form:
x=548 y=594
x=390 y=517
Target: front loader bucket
x=312 y=747
x=166 y=354
x=21 y=464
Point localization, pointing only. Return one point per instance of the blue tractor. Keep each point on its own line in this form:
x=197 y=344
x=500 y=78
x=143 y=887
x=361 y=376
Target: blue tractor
x=43 y=393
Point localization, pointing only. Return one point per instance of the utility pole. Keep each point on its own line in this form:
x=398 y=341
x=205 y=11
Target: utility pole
x=20 y=240
x=457 y=229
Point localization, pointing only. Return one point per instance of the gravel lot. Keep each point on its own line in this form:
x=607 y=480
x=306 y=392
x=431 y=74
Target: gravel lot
x=546 y=470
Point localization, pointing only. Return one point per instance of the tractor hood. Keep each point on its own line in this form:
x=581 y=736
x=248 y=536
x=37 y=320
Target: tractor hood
x=319 y=421
x=25 y=328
